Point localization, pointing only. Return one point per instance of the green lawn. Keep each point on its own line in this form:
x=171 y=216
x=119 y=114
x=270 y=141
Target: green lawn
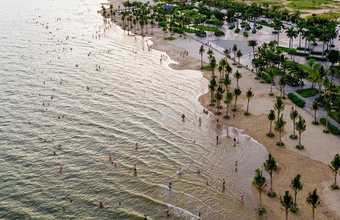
x=207 y=28
x=305 y=93
x=336 y=116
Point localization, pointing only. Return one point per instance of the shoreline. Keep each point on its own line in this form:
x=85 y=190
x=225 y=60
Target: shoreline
x=290 y=161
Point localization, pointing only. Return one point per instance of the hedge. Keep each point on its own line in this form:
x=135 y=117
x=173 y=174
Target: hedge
x=232 y=27
x=333 y=129
x=296 y=100
x=253 y=31
x=259 y=27
x=302 y=48
x=237 y=30
x=316 y=58
x=245 y=34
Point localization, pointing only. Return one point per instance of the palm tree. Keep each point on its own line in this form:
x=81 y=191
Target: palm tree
x=271 y=117
x=280 y=124
x=313 y=200
x=270 y=166
x=277 y=27
x=260 y=183
x=249 y=95
x=239 y=54
x=300 y=126
x=315 y=107
x=201 y=51
x=335 y=166
x=253 y=44
x=212 y=87
x=210 y=54
x=237 y=93
x=279 y=106
x=291 y=34
x=228 y=99
x=293 y=115
x=226 y=53
x=296 y=186
x=238 y=76
x=328 y=108
x=219 y=96
x=282 y=84
x=271 y=76
x=213 y=65
x=111 y=11
x=226 y=81
x=221 y=66
x=234 y=51
x=287 y=202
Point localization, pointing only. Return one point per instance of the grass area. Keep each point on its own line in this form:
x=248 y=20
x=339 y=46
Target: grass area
x=305 y=93
x=330 y=15
x=206 y=68
x=336 y=116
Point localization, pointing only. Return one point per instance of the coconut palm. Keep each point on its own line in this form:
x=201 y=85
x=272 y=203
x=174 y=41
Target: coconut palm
x=282 y=84
x=280 y=124
x=210 y=54
x=201 y=51
x=300 y=126
x=249 y=95
x=287 y=202
x=278 y=27
x=228 y=99
x=253 y=43
x=221 y=66
x=271 y=117
x=296 y=186
x=335 y=166
x=270 y=166
x=279 y=106
x=260 y=183
x=293 y=115
x=237 y=93
x=238 y=76
x=313 y=200
x=315 y=107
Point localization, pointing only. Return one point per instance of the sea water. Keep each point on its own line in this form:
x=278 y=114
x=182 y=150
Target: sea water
x=63 y=91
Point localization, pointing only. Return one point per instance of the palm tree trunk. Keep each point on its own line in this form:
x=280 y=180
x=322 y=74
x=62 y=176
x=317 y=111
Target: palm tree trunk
x=336 y=173
x=300 y=139
x=227 y=113
x=280 y=137
x=312 y=213
x=295 y=197
x=286 y=214
x=235 y=102
x=270 y=128
x=271 y=184
x=260 y=201
x=247 y=106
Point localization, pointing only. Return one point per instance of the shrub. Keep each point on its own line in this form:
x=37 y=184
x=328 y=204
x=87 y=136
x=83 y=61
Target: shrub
x=237 y=30
x=316 y=58
x=271 y=195
x=219 y=33
x=259 y=27
x=253 y=31
x=162 y=24
x=248 y=28
x=302 y=48
x=333 y=129
x=245 y=34
x=296 y=100
x=232 y=27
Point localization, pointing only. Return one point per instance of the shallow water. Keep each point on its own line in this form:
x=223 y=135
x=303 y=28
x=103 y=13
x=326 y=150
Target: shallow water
x=46 y=107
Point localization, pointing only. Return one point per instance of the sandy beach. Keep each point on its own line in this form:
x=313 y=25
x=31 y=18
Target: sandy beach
x=311 y=163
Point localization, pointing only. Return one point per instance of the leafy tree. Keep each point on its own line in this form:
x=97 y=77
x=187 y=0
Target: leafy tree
x=296 y=186
x=335 y=166
x=201 y=51
x=287 y=202
x=313 y=200
x=249 y=95
x=333 y=56
x=271 y=117
x=237 y=93
x=228 y=99
x=270 y=166
x=260 y=183
x=280 y=124
x=315 y=107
